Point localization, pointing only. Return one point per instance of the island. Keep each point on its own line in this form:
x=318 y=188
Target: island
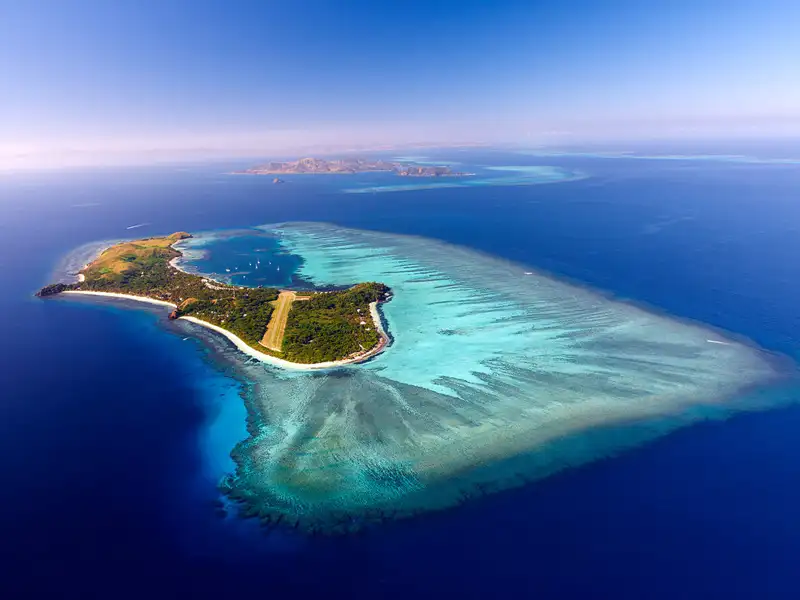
x=291 y=328
x=349 y=166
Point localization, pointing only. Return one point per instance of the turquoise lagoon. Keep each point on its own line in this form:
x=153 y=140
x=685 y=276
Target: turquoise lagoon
x=497 y=375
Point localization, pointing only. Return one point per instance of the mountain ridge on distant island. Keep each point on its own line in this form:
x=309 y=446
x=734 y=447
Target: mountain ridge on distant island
x=349 y=166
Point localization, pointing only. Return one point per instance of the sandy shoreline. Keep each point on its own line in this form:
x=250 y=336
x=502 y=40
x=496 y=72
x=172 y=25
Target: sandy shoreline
x=123 y=297
x=273 y=360
x=249 y=350
x=384 y=341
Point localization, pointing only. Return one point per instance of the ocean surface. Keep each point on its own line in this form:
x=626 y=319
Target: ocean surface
x=116 y=425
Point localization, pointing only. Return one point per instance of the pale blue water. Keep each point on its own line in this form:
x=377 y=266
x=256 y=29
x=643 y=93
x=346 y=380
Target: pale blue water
x=226 y=425
x=628 y=155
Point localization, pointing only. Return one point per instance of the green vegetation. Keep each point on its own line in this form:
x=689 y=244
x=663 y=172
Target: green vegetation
x=332 y=324
x=244 y=312
x=52 y=289
x=142 y=268
x=325 y=327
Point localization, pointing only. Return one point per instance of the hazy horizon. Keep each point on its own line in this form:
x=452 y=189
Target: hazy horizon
x=94 y=83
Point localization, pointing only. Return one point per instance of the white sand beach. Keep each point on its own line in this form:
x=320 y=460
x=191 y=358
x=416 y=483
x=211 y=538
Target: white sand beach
x=279 y=362
x=261 y=356
x=249 y=350
x=123 y=297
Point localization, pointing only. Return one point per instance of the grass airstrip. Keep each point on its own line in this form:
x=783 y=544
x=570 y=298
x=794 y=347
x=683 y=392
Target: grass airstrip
x=273 y=337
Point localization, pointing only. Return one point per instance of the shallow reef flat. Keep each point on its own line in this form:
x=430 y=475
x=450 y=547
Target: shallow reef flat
x=496 y=376
x=517 y=176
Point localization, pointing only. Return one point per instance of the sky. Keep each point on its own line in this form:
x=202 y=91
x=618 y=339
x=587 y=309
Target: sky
x=101 y=81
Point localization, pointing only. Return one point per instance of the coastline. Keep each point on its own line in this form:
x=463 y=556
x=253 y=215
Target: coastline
x=123 y=297
x=385 y=339
x=174 y=264
x=249 y=350
x=279 y=362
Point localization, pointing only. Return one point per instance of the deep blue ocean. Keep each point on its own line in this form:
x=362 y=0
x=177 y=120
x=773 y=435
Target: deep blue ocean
x=104 y=492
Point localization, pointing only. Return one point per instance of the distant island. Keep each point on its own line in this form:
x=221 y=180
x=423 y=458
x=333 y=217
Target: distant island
x=295 y=329
x=349 y=166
